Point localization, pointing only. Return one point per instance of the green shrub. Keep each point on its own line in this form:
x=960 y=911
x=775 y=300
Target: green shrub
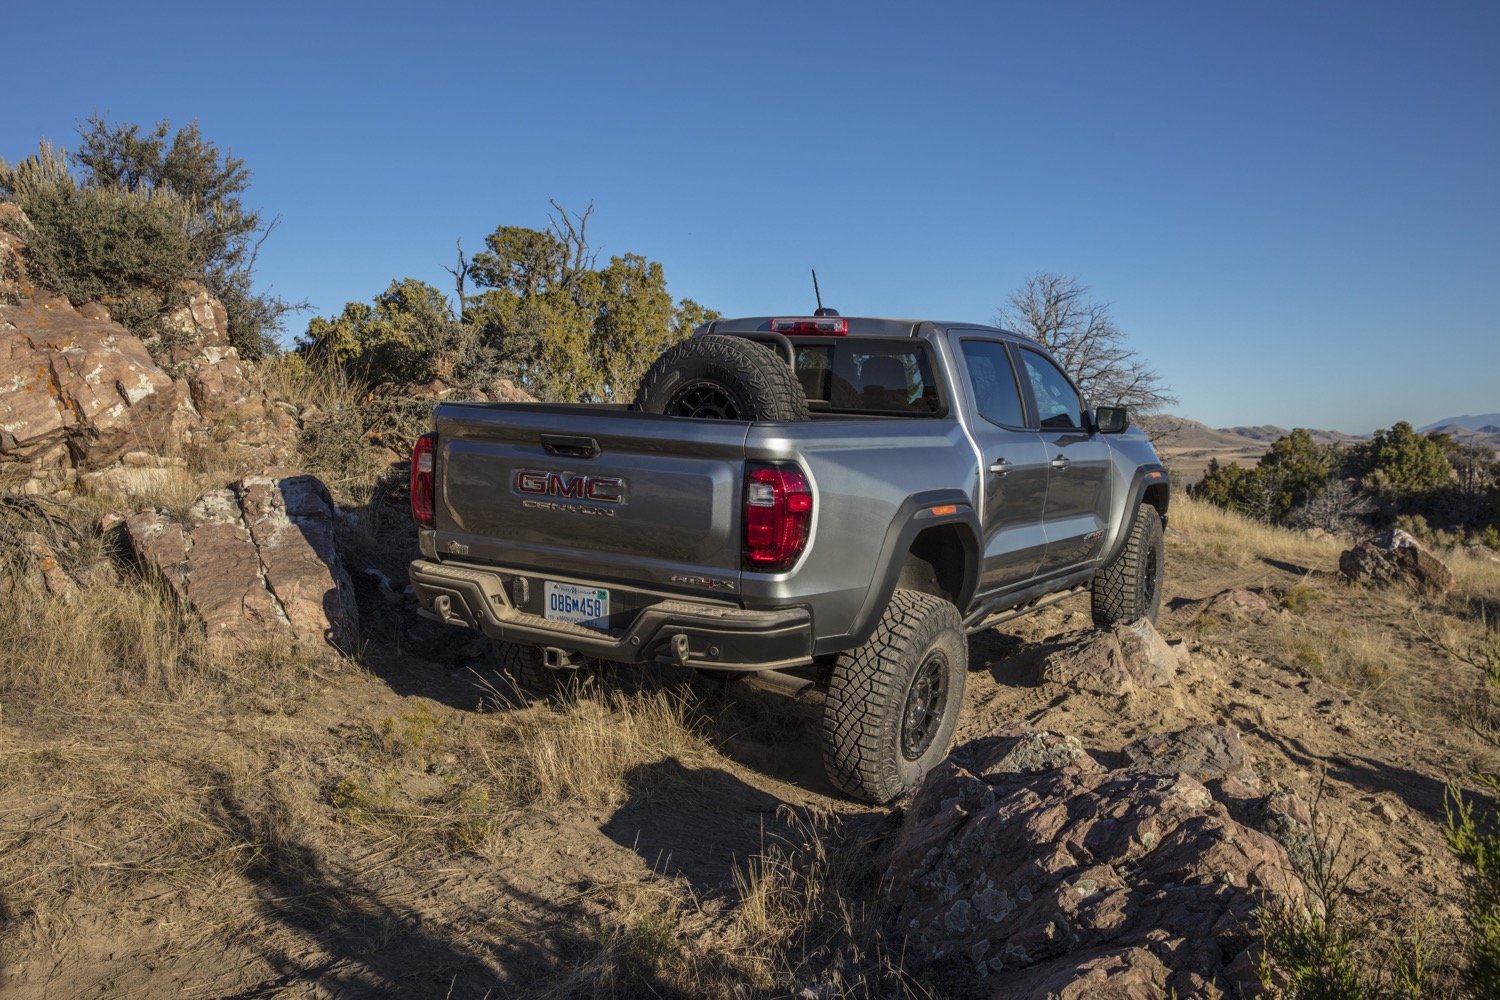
x=143 y=215
x=1477 y=842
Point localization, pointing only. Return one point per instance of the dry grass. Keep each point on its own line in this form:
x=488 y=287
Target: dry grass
x=583 y=749
x=1242 y=542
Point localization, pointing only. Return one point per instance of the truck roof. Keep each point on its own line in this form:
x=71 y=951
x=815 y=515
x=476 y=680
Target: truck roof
x=858 y=326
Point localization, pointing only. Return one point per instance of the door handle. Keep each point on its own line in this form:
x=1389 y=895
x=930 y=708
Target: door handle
x=1061 y=462
x=1001 y=466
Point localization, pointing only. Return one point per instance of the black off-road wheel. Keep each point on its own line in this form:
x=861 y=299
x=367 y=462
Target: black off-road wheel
x=727 y=378
x=894 y=702
x=1130 y=586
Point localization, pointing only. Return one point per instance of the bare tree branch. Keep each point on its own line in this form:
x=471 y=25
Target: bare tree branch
x=1054 y=310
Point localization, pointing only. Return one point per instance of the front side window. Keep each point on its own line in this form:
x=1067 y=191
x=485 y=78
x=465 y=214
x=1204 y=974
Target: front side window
x=1057 y=402
x=996 y=395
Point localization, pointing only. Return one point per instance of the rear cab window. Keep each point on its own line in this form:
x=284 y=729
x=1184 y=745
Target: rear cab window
x=868 y=376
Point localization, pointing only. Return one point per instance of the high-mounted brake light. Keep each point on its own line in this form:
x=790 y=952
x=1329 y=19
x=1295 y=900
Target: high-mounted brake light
x=822 y=326
x=778 y=516
x=422 y=460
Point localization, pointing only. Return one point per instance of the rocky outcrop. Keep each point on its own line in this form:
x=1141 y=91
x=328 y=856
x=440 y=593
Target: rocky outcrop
x=1077 y=881
x=1117 y=661
x=223 y=393
x=78 y=391
x=254 y=559
x=1396 y=557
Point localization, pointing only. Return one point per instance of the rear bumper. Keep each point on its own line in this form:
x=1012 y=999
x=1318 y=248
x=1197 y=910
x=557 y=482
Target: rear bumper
x=707 y=636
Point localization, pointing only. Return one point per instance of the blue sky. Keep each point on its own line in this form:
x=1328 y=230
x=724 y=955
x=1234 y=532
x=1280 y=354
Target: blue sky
x=1293 y=208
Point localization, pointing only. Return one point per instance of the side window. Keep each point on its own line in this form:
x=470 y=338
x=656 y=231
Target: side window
x=994 y=381
x=1057 y=402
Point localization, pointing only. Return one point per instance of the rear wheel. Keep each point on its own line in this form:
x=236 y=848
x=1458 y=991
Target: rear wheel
x=527 y=667
x=894 y=702
x=725 y=378
x=1130 y=586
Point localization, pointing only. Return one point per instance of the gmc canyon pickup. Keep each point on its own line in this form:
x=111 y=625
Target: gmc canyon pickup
x=839 y=497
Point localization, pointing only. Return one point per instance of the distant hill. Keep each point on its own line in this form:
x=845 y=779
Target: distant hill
x=1487 y=436
x=1270 y=432
x=1190 y=445
x=1485 y=422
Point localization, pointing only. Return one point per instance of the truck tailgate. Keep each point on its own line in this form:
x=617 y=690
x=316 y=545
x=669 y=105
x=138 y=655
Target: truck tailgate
x=591 y=492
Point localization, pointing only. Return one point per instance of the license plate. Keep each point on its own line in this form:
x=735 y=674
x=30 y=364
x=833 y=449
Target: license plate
x=579 y=605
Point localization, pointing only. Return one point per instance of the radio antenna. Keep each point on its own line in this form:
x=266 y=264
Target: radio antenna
x=819 y=296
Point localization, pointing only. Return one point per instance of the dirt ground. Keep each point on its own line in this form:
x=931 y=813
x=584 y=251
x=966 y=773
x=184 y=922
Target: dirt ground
x=347 y=834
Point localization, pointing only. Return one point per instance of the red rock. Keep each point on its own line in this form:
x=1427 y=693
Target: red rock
x=1077 y=881
x=75 y=390
x=254 y=559
x=1117 y=661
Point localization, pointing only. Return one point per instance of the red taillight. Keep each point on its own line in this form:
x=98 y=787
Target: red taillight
x=823 y=326
x=778 y=516
x=421 y=479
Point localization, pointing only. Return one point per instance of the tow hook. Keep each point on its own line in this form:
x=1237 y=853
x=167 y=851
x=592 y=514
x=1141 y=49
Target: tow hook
x=680 y=649
x=442 y=607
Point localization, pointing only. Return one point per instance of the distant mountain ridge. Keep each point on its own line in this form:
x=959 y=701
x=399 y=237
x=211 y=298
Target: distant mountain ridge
x=1488 y=423
x=1190 y=445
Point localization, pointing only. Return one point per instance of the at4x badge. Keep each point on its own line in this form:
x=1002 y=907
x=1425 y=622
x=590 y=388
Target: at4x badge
x=708 y=582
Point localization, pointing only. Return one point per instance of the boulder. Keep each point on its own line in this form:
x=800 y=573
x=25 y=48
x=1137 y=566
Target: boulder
x=78 y=390
x=253 y=559
x=1237 y=602
x=1483 y=552
x=1128 y=657
x=1396 y=557
x=225 y=395
x=1077 y=881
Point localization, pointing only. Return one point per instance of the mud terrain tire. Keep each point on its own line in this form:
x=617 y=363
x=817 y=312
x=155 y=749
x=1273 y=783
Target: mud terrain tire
x=894 y=702
x=1130 y=586
x=725 y=377
x=525 y=665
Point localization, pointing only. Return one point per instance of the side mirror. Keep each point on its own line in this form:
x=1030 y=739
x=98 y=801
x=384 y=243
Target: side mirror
x=1111 y=419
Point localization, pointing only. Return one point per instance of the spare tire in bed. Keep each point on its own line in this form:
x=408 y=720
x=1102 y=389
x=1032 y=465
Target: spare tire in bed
x=728 y=378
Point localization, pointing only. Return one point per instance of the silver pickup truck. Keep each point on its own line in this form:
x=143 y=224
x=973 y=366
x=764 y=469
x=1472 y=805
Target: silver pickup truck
x=840 y=498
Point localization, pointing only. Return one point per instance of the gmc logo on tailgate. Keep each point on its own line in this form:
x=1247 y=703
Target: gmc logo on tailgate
x=600 y=489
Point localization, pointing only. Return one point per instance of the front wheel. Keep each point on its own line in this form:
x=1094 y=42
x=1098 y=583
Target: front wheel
x=894 y=702
x=1130 y=586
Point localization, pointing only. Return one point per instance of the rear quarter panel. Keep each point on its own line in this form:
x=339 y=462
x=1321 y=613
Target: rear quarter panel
x=863 y=471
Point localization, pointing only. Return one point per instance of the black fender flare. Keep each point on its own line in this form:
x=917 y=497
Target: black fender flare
x=1150 y=484
x=916 y=514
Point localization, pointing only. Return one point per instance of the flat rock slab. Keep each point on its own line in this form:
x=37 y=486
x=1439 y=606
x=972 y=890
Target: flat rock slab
x=254 y=559
x=1207 y=753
